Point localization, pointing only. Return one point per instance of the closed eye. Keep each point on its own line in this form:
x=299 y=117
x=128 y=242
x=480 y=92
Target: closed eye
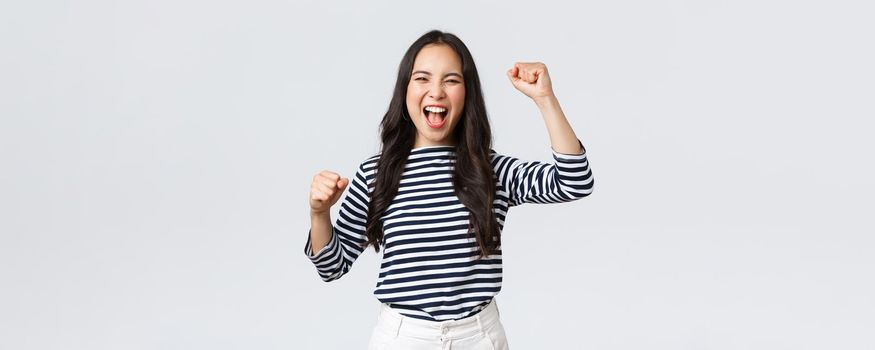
x=450 y=81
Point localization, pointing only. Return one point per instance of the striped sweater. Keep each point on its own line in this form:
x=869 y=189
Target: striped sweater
x=430 y=268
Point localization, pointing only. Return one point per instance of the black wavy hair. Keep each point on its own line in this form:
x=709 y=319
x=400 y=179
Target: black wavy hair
x=473 y=176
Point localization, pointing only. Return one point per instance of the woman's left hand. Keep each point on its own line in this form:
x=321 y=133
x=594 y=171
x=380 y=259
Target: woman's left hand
x=531 y=79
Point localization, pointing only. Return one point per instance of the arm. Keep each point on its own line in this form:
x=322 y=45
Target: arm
x=334 y=248
x=562 y=136
x=533 y=80
x=569 y=177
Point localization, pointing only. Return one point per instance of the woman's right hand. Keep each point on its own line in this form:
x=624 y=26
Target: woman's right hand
x=326 y=189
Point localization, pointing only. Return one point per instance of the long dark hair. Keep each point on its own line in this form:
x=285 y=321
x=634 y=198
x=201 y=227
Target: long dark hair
x=473 y=176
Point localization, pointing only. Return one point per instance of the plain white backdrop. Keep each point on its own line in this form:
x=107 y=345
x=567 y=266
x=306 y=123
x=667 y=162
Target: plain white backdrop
x=156 y=158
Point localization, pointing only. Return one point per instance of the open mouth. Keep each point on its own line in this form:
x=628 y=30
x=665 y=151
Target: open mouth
x=435 y=117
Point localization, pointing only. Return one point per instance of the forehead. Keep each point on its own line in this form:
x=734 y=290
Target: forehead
x=437 y=59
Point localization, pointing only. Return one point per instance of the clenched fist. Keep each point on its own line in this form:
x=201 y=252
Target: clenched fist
x=532 y=79
x=325 y=190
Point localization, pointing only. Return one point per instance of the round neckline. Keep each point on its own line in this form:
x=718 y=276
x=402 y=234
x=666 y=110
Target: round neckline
x=433 y=147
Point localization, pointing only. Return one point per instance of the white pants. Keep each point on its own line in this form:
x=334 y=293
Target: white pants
x=483 y=331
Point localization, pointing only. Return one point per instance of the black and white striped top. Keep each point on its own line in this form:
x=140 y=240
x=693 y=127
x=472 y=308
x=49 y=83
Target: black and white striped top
x=430 y=268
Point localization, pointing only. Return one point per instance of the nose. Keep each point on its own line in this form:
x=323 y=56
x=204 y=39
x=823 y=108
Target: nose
x=436 y=91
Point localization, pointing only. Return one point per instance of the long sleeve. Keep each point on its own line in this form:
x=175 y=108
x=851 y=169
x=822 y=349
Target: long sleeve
x=348 y=232
x=568 y=178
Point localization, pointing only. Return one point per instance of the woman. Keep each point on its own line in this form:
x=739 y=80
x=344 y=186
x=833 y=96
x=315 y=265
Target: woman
x=436 y=198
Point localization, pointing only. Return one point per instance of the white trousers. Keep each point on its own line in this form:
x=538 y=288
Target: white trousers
x=483 y=331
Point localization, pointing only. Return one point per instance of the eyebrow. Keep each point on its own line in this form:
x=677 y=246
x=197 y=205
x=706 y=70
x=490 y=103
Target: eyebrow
x=429 y=73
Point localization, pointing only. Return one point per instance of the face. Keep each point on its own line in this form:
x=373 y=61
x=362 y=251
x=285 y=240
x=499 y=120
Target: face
x=436 y=95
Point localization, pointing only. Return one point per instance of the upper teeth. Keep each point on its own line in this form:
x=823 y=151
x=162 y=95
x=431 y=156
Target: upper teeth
x=435 y=109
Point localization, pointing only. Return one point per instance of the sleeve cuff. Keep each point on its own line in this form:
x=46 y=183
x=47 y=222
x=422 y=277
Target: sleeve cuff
x=323 y=253
x=568 y=156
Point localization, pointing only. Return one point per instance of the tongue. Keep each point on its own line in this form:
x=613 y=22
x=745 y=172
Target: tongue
x=435 y=118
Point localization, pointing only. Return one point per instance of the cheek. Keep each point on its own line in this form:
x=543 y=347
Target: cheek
x=412 y=101
x=458 y=98
x=414 y=94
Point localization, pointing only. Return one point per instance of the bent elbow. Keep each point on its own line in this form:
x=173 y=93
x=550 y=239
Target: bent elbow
x=577 y=189
x=333 y=275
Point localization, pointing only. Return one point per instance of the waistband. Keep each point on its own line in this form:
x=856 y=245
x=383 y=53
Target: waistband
x=394 y=323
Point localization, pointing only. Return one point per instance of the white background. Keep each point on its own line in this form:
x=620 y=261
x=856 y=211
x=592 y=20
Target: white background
x=156 y=160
